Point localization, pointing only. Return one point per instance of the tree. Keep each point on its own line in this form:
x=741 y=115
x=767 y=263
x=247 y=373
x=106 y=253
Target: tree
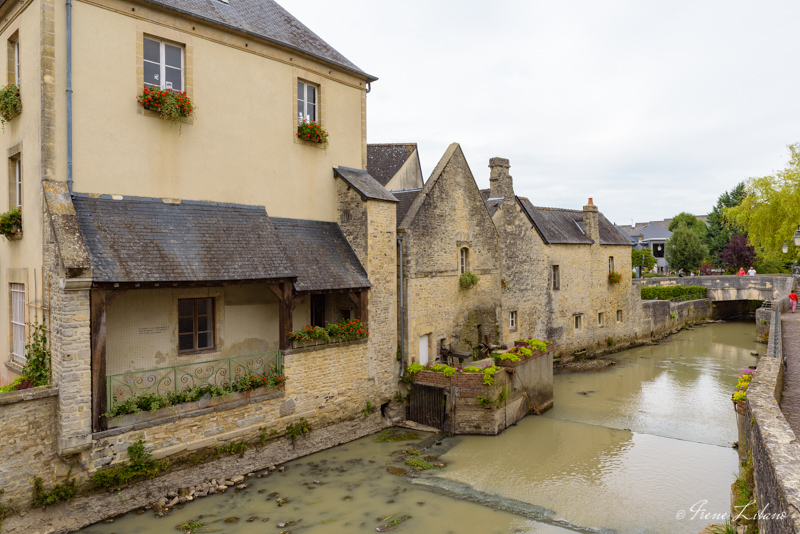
x=636 y=258
x=693 y=223
x=720 y=230
x=684 y=249
x=771 y=210
x=737 y=253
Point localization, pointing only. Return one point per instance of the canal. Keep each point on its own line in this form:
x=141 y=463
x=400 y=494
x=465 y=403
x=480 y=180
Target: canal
x=643 y=446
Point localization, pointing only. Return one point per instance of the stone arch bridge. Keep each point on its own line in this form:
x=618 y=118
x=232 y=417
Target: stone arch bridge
x=765 y=288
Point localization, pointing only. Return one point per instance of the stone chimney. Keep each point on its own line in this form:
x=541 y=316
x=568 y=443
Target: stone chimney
x=590 y=222
x=500 y=181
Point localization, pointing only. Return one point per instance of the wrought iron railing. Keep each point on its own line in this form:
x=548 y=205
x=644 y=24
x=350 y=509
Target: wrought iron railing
x=221 y=372
x=684 y=298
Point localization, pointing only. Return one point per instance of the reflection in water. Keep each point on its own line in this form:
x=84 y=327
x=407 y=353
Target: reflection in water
x=623 y=451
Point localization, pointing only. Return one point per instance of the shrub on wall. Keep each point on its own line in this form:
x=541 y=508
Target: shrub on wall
x=10 y=103
x=468 y=280
x=614 y=277
x=312 y=132
x=668 y=292
x=11 y=223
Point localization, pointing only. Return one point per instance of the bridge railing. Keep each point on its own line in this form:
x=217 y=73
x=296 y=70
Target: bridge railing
x=684 y=298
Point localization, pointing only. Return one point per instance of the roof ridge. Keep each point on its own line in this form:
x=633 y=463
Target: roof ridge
x=163 y=200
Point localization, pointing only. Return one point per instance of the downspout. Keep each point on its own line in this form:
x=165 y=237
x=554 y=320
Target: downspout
x=402 y=312
x=69 y=95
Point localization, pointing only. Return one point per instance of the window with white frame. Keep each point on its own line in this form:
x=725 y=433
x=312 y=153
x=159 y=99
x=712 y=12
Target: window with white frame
x=463 y=261
x=163 y=64
x=15 y=181
x=18 y=323
x=512 y=320
x=307 y=101
x=13 y=59
x=611 y=264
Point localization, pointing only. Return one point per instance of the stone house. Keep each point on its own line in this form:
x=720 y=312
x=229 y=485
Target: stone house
x=555 y=265
x=655 y=238
x=162 y=256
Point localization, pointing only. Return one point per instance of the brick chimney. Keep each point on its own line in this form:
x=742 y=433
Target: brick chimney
x=590 y=222
x=500 y=181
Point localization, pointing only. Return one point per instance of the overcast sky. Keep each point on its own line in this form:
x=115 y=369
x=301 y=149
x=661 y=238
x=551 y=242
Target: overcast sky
x=651 y=108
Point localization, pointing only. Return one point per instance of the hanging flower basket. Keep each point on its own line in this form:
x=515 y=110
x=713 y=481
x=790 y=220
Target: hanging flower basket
x=312 y=132
x=10 y=103
x=173 y=106
x=11 y=224
x=614 y=277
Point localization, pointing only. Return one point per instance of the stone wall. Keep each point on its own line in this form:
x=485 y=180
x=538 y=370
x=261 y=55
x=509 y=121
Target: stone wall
x=775 y=451
x=28 y=444
x=449 y=215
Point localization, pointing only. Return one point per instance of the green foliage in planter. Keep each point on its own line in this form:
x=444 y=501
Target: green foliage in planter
x=468 y=280
x=10 y=103
x=37 y=365
x=141 y=466
x=11 y=222
x=152 y=402
x=312 y=132
x=614 y=277
x=668 y=292
x=347 y=330
x=172 y=105
x=58 y=494
x=300 y=428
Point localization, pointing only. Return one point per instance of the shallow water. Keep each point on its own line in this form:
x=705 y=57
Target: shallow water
x=624 y=450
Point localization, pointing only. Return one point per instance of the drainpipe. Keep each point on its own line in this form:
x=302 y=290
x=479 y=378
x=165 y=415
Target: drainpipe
x=69 y=95
x=402 y=312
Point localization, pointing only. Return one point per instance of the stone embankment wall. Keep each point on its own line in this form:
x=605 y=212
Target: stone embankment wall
x=328 y=385
x=775 y=451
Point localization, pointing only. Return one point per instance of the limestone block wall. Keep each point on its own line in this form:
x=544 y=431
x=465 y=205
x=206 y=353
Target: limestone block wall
x=352 y=218
x=774 y=447
x=381 y=266
x=28 y=444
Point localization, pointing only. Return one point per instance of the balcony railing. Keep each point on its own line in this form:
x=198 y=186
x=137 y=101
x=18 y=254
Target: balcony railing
x=221 y=372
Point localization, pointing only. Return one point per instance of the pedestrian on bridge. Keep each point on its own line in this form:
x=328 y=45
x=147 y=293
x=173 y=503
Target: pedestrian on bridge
x=793 y=300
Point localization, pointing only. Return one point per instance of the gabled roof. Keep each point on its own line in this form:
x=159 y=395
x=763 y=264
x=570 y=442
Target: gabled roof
x=137 y=239
x=365 y=184
x=563 y=226
x=322 y=257
x=384 y=160
x=651 y=231
x=406 y=199
x=264 y=19
x=493 y=204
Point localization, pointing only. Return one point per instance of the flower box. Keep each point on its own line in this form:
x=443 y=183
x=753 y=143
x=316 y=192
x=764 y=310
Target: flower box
x=522 y=360
x=187 y=407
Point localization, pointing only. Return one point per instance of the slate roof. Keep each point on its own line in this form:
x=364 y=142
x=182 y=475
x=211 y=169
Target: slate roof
x=406 y=199
x=147 y=240
x=264 y=19
x=651 y=231
x=322 y=257
x=365 y=184
x=494 y=204
x=384 y=160
x=563 y=226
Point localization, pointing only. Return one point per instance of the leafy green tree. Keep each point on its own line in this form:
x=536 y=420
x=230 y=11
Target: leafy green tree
x=684 y=249
x=636 y=258
x=692 y=223
x=720 y=230
x=770 y=212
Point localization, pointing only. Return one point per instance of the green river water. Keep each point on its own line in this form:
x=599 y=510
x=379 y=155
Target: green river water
x=640 y=447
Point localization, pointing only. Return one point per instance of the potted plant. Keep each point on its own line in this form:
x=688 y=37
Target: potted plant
x=173 y=106
x=312 y=132
x=307 y=334
x=614 y=277
x=11 y=224
x=468 y=280
x=10 y=103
